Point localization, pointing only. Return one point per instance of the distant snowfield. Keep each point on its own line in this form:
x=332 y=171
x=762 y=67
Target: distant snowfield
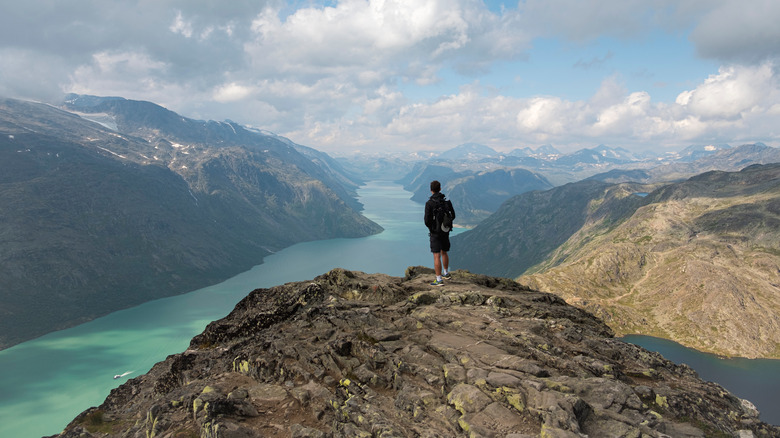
x=111 y=152
x=106 y=120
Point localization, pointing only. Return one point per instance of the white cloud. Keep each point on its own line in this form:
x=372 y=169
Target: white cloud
x=231 y=92
x=544 y=117
x=112 y=73
x=181 y=26
x=738 y=104
x=733 y=92
x=358 y=34
x=625 y=117
x=403 y=73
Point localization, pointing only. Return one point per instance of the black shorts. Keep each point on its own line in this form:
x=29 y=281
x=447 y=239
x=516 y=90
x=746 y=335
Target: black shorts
x=440 y=242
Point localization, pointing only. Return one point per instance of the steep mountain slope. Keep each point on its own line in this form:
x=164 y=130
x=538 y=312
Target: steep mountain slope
x=698 y=265
x=528 y=228
x=349 y=354
x=178 y=140
x=418 y=180
x=696 y=262
x=481 y=194
x=93 y=220
x=475 y=194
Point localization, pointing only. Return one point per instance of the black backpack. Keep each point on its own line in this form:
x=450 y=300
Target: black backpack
x=442 y=211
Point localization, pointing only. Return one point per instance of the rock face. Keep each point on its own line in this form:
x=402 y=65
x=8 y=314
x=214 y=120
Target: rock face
x=358 y=355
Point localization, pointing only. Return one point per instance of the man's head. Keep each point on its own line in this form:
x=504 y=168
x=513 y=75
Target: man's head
x=435 y=186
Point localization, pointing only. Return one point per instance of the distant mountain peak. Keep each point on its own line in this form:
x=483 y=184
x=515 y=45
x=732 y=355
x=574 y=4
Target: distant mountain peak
x=473 y=151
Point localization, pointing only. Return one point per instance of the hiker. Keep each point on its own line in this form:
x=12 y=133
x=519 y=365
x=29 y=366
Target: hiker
x=438 y=205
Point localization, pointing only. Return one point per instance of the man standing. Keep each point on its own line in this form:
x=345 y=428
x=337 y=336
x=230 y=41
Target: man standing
x=440 y=240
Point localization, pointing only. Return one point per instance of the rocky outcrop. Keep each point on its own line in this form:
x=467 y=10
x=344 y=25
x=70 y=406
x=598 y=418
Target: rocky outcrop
x=359 y=355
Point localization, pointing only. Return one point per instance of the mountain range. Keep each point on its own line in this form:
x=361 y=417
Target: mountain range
x=478 y=179
x=694 y=261
x=145 y=204
x=477 y=194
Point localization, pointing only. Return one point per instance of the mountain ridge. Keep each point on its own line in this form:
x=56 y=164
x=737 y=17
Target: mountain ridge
x=95 y=220
x=355 y=354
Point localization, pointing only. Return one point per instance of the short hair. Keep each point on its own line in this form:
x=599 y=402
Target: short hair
x=435 y=186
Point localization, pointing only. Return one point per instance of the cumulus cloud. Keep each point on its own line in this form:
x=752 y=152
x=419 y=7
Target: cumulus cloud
x=735 y=104
x=358 y=73
x=231 y=92
x=735 y=92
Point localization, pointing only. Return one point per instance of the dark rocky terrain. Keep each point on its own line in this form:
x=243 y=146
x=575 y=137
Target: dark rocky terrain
x=349 y=354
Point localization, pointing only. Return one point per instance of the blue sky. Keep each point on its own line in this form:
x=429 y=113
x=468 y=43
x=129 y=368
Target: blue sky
x=347 y=76
x=663 y=65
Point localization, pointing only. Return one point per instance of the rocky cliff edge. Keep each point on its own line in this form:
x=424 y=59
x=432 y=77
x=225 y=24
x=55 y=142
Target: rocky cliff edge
x=369 y=355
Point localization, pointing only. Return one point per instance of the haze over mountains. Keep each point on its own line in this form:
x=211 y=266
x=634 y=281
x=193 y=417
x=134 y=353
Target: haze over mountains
x=481 y=179
x=97 y=218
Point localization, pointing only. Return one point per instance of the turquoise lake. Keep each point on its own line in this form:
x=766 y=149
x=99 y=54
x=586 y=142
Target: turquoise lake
x=46 y=382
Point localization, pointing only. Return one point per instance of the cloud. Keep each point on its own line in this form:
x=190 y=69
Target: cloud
x=181 y=27
x=735 y=105
x=736 y=31
x=231 y=92
x=29 y=74
x=594 y=62
x=735 y=92
x=403 y=74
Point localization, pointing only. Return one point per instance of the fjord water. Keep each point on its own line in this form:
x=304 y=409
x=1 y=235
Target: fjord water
x=46 y=382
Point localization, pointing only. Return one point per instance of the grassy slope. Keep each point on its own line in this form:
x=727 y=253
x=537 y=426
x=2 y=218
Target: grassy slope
x=698 y=265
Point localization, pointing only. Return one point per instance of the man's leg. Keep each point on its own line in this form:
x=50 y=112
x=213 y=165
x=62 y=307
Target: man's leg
x=445 y=262
x=437 y=263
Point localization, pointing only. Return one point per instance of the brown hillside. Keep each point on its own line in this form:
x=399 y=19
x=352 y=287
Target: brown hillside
x=700 y=266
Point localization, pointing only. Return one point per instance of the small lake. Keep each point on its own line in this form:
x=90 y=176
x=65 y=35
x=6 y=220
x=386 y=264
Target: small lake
x=46 y=382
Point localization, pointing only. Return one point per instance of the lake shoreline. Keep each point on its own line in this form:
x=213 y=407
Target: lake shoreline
x=755 y=380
